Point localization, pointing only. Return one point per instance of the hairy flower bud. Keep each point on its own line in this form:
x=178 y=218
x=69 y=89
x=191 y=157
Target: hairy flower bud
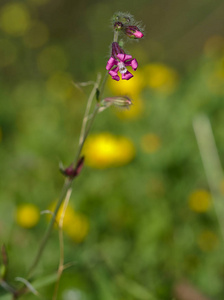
x=133 y=32
x=118 y=26
x=116 y=49
x=120 y=101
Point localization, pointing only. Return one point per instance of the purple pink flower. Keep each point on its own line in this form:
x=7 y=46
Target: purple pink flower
x=133 y=32
x=118 y=63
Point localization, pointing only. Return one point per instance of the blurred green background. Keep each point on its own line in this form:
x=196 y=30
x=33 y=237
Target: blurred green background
x=139 y=226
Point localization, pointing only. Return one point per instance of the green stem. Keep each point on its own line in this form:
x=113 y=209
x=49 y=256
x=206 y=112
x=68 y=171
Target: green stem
x=116 y=35
x=68 y=181
x=94 y=114
x=88 y=106
x=44 y=241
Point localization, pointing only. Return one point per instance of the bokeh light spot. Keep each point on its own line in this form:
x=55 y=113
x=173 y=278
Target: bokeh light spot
x=130 y=87
x=200 y=201
x=27 y=215
x=60 y=85
x=207 y=240
x=106 y=150
x=75 y=224
x=37 y=35
x=150 y=142
x=160 y=77
x=14 y=19
x=8 y=52
x=52 y=59
x=78 y=228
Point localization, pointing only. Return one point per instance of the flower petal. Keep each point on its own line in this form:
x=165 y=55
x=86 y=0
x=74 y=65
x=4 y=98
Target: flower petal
x=127 y=75
x=123 y=57
x=111 y=62
x=114 y=71
x=138 y=34
x=117 y=78
x=113 y=74
x=127 y=57
x=133 y=63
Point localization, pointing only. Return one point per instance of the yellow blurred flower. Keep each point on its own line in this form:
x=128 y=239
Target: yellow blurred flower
x=75 y=224
x=60 y=85
x=27 y=215
x=208 y=240
x=14 y=18
x=106 y=150
x=200 y=201
x=130 y=87
x=160 y=77
x=79 y=228
x=150 y=142
x=68 y=217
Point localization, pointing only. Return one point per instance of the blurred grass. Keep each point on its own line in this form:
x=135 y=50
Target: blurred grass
x=145 y=235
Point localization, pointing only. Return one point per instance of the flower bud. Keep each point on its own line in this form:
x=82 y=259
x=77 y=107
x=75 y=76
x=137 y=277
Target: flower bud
x=116 y=49
x=120 y=101
x=72 y=172
x=118 y=26
x=133 y=32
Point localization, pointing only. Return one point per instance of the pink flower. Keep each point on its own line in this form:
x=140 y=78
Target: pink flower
x=133 y=32
x=119 y=61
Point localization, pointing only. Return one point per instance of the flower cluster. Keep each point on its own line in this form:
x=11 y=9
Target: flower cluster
x=125 y=23
x=119 y=60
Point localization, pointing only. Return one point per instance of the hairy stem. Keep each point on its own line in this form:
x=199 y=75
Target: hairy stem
x=86 y=126
x=88 y=106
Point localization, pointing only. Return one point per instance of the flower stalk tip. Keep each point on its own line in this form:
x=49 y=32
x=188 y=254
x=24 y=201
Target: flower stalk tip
x=125 y=24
